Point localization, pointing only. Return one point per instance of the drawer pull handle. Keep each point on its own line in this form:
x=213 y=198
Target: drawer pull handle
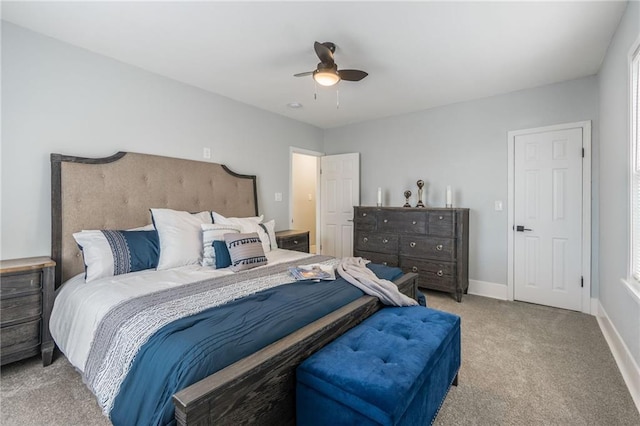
x=441 y=217
x=412 y=244
x=364 y=215
x=414 y=269
x=414 y=222
x=295 y=241
x=365 y=239
x=386 y=220
x=385 y=241
x=439 y=273
x=439 y=247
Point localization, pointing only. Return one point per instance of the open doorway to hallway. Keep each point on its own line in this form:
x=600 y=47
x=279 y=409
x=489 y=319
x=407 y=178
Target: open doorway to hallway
x=304 y=193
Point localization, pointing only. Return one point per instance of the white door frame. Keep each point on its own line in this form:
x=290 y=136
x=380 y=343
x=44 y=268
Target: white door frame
x=586 y=206
x=292 y=150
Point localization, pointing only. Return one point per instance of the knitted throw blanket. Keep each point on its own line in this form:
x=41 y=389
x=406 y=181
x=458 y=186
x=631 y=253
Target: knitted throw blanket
x=355 y=271
x=127 y=326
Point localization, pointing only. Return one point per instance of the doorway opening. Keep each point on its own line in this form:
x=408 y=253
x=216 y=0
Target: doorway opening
x=304 y=190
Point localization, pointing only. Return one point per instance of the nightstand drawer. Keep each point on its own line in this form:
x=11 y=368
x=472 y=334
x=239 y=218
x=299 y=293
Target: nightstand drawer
x=18 y=309
x=26 y=299
x=293 y=240
x=19 y=337
x=19 y=284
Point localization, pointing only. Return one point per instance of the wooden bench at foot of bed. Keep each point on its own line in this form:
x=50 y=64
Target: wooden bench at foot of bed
x=260 y=389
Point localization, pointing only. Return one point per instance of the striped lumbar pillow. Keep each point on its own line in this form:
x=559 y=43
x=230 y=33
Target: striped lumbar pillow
x=245 y=250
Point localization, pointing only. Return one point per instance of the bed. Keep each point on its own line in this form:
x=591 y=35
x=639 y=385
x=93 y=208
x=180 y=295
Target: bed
x=116 y=193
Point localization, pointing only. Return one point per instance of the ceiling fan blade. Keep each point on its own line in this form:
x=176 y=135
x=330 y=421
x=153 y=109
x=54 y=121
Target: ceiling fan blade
x=324 y=53
x=352 y=75
x=302 y=74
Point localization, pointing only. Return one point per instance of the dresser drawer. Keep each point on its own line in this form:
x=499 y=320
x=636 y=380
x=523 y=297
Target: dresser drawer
x=18 y=309
x=402 y=222
x=19 y=337
x=428 y=247
x=435 y=275
x=442 y=224
x=364 y=220
x=381 y=258
x=375 y=242
x=19 y=284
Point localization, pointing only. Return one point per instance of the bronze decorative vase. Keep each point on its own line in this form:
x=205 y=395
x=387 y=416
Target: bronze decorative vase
x=420 y=184
x=407 y=194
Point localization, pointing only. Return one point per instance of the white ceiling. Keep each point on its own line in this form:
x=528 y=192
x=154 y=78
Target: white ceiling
x=418 y=54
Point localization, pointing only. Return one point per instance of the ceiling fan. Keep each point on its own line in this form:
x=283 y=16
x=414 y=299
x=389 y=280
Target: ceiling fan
x=327 y=73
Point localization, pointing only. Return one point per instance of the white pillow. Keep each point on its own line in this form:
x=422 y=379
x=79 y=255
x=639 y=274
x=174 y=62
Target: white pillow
x=213 y=232
x=180 y=236
x=247 y=225
x=271 y=233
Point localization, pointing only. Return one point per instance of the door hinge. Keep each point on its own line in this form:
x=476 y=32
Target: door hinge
x=581 y=281
x=320 y=171
x=582 y=152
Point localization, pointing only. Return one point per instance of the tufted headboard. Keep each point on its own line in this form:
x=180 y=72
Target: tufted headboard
x=117 y=192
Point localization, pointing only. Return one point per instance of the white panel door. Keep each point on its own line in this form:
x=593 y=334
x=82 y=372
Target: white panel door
x=340 y=191
x=548 y=218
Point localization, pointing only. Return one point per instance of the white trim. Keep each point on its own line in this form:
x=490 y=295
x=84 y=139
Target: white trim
x=631 y=283
x=632 y=287
x=594 y=306
x=488 y=289
x=296 y=150
x=586 y=205
x=626 y=364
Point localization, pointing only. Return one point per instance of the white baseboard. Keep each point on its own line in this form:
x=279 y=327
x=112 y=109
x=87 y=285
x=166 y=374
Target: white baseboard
x=488 y=289
x=627 y=365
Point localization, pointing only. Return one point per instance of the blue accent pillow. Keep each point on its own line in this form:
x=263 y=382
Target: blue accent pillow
x=107 y=253
x=223 y=259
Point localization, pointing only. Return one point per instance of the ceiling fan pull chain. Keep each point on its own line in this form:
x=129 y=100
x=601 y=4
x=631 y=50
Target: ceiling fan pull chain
x=315 y=90
x=337 y=99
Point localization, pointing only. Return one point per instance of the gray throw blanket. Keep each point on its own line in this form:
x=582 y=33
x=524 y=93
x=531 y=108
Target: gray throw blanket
x=355 y=271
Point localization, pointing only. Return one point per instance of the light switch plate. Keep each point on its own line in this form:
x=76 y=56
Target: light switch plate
x=278 y=196
x=498 y=206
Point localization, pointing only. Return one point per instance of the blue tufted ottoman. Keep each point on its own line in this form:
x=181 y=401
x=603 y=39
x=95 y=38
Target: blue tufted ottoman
x=395 y=368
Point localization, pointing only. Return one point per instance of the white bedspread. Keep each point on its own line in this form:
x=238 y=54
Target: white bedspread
x=79 y=307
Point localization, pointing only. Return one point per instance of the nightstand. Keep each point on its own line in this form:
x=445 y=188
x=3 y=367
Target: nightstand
x=293 y=240
x=26 y=300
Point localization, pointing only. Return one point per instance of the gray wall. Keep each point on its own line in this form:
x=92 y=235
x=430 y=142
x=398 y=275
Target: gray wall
x=63 y=99
x=464 y=145
x=622 y=308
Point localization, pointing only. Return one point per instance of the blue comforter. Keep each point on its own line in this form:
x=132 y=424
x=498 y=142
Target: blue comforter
x=192 y=348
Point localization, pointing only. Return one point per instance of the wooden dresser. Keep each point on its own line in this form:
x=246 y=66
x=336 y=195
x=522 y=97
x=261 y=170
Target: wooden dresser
x=434 y=242
x=293 y=240
x=26 y=300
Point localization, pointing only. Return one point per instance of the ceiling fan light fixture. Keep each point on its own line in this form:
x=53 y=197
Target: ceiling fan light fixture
x=327 y=77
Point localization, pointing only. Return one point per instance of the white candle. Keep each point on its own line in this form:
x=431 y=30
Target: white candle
x=380 y=196
x=449 y=197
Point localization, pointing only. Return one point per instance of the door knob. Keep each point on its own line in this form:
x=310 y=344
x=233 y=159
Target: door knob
x=521 y=228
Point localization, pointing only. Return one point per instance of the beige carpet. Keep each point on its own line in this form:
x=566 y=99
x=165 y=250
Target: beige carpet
x=522 y=365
